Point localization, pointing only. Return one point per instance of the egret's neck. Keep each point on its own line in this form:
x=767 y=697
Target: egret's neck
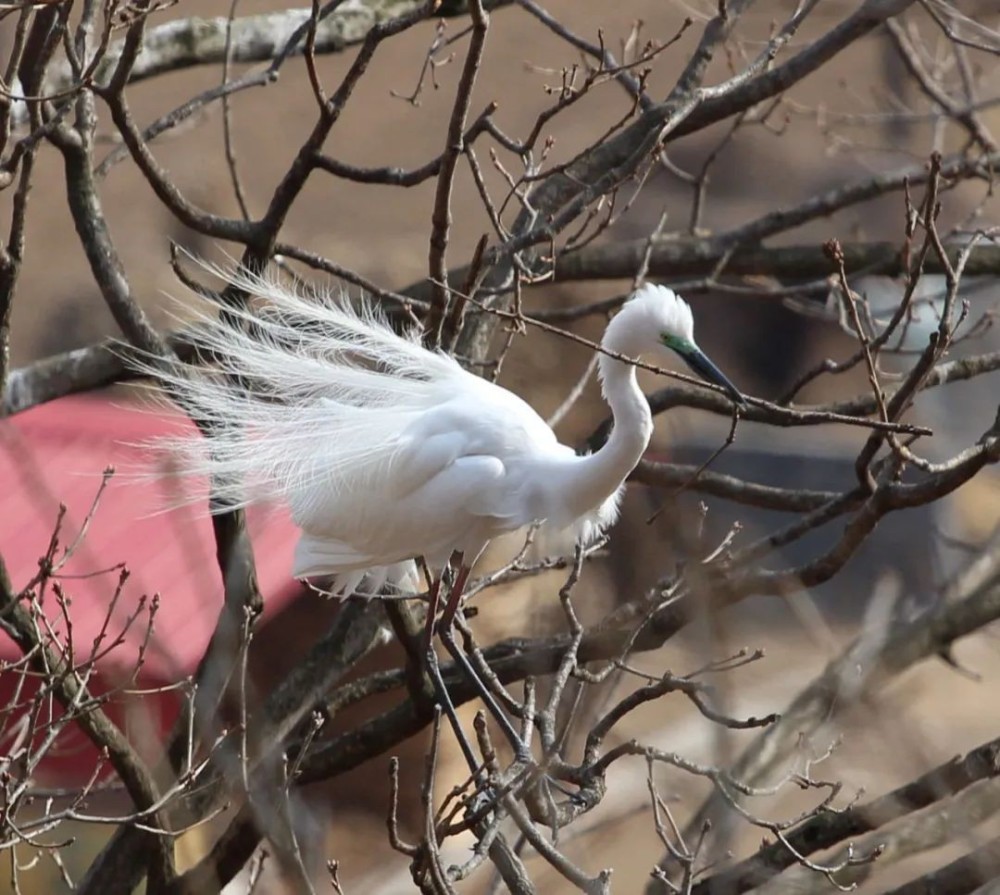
x=599 y=475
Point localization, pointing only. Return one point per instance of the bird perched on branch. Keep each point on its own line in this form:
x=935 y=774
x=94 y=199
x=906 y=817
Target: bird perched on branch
x=385 y=451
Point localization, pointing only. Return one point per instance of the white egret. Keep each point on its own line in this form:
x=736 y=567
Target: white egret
x=385 y=451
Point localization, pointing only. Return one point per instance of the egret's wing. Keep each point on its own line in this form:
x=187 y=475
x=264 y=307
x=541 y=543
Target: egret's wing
x=345 y=502
x=447 y=467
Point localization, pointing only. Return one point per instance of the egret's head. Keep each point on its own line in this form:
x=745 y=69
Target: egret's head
x=659 y=313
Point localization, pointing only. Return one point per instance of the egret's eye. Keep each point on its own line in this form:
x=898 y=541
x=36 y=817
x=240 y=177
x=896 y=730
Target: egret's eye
x=677 y=343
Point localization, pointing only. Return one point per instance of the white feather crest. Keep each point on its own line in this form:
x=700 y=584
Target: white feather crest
x=300 y=389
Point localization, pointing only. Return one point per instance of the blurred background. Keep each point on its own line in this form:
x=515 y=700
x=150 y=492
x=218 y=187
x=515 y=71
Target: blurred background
x=830 y=129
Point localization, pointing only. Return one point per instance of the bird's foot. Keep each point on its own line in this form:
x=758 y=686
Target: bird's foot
x=539 y=776
x=483 y=800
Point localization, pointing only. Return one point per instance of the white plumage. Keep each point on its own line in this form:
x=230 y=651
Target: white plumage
x=384 y=451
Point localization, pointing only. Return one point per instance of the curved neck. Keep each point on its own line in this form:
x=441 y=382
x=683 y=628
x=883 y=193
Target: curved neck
x=597 y=476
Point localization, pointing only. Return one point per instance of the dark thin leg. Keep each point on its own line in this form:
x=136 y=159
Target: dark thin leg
x=433 y=604
x=447 y=630
x=456 y=593
x=522 y=749
x=434 y=670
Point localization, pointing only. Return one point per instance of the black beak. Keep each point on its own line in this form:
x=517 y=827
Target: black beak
x=711 y=373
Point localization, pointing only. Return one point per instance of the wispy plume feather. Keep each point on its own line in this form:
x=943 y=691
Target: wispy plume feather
x=298 y=390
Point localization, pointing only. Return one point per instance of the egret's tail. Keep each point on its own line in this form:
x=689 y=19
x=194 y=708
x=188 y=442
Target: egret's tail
x=351 y=572
x=399 y=579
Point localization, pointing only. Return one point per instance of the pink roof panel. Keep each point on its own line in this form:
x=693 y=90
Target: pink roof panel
x=56 y=453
